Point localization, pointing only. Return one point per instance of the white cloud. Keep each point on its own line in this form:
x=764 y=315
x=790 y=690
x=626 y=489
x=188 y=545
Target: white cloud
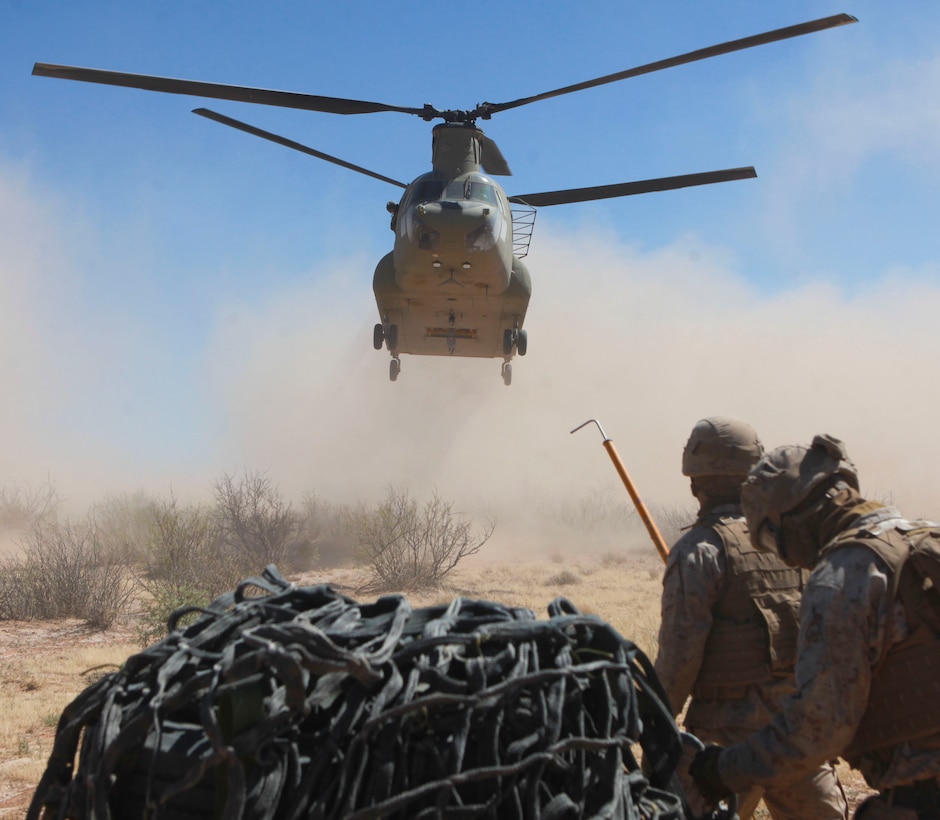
x=861 y=112
x=851 y=161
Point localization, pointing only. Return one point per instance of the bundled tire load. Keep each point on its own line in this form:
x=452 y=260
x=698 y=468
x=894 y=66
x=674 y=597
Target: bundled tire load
x=301 y=702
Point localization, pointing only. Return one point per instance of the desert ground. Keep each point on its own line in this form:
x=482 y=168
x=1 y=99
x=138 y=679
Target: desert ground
x=44 y=665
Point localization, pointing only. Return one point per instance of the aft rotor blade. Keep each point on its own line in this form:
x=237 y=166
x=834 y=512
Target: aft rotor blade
x=645 y=186
x=486 y=109
x=237 y=93
x=250 y=129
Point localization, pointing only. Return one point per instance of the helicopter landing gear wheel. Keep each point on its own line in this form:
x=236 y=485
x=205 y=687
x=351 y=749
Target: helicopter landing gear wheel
x=378 y=337
x=507 y=374
x=507 y=342
x=522 y=342
x=394 y=368
x=391 y=338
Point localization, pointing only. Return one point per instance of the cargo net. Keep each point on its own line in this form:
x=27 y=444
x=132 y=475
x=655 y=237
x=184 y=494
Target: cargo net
x=285 y=702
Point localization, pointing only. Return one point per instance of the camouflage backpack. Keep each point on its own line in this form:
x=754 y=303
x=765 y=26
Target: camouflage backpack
x=300 y=702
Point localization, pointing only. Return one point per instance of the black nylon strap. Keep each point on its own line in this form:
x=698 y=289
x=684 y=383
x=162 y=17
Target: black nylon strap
x=301 y=702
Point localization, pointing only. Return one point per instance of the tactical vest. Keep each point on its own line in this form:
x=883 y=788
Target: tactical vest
x=756 y=620
x=904 y=698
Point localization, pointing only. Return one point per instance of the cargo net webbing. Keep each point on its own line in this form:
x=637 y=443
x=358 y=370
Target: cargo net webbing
x=300 y=702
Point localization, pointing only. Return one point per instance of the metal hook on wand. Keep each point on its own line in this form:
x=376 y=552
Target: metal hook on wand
x=651 y=527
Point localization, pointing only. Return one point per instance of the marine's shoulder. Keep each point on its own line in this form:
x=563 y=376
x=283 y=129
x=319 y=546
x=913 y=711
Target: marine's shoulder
x=699 y=537
x=872 y=533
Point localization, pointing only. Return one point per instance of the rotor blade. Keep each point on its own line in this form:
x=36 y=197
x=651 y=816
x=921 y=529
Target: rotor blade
x=250 y=129
x=238 y=93
x=645 y=186
x=485 y=109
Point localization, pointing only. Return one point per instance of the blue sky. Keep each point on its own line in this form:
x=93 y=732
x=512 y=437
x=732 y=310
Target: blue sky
x=180 y=299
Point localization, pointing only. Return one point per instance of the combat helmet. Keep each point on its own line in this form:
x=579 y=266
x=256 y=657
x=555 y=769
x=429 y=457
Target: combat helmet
x=786 y=477
x=720 y=445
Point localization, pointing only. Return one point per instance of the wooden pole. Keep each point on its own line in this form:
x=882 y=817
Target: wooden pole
x=641 y=508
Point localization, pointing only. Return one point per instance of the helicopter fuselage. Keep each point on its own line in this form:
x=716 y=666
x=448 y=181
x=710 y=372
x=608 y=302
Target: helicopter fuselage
x=451 y=285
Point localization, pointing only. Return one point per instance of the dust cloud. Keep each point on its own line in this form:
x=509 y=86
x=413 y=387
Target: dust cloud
x=646 y=341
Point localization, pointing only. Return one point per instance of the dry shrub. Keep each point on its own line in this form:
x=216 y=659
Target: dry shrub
x=187 y=564
x=564 y=578
x=184 y=550
x=590 y=520
x=23 y=507
x=196 y=553
x=408 y=546
x=672 y=520
x=596 y=511
x=256 y=526
x=64 y=573
x=123 y=524
x=324 y=533
x=614 y=559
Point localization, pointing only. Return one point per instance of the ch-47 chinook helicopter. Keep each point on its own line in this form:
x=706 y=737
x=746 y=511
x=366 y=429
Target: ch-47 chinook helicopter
x=454 y=282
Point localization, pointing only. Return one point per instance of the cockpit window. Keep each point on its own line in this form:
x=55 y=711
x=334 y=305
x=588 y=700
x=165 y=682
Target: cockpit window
x=432 y=188
x=484 y=192
x=473 y=189
x=427 y=190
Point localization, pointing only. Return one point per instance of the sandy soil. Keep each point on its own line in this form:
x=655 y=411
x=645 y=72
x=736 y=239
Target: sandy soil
x=31 y=670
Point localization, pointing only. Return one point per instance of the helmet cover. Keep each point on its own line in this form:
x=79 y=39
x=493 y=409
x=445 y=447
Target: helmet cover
x=784 y=478
x=721 y=445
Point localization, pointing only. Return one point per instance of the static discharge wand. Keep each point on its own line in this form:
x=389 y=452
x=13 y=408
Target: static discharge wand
x=651 y=527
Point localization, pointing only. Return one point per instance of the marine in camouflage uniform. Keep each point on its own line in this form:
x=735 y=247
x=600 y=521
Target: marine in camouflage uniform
x=868 y=666
x=729 y=622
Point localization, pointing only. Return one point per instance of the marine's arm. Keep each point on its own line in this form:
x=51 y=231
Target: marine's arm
x=691 y=586
x=843 y=616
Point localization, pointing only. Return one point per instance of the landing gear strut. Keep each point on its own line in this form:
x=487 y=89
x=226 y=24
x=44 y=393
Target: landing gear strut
x=514 y=340
x=515 y=337
x=385 y=333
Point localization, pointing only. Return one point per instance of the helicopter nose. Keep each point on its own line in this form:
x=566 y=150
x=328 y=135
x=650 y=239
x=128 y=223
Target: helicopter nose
x=470 y=225
x=458 y=227
x=445 y=214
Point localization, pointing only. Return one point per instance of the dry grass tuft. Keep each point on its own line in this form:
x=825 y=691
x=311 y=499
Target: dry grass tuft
x=42 y=668
x=562 y=579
